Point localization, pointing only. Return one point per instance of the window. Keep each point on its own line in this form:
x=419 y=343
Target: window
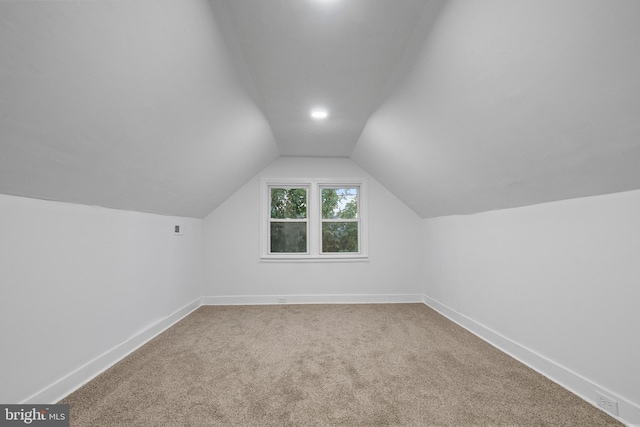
x=340 y=223
x=314 y=220
x=288 y=224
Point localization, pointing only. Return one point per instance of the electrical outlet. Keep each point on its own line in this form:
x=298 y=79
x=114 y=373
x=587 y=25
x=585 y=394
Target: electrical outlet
x=607 y=403
x=282 y=300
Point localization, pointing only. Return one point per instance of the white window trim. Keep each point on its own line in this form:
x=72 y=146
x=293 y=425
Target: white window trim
x=314 y=214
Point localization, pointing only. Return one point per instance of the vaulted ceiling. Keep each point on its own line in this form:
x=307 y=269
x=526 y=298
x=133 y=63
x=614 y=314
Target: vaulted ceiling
x=134 y=105
x=511 y=103
x=456 y=106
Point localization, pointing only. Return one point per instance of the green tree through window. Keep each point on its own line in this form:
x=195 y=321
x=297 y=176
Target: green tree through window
x=317 y=220
x=340 y=222
x=288 y=220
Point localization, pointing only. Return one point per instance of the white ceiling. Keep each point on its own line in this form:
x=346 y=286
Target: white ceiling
x=511 y=103
x=333 y=53
x=127 y=104
x=458 y=107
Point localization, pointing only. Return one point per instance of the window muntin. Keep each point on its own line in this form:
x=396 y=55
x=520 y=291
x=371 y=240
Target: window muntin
x=289 y=227
x=340 y=224
x=288 y=220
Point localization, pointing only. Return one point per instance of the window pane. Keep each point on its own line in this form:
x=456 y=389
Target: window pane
x=339 y=237
x=290 y=203
x=340 y=203
x=289 y=237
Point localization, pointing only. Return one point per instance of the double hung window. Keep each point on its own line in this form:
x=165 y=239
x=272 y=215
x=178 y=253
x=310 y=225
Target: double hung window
x=314 y=220
x=340 y=222
x=288 y=222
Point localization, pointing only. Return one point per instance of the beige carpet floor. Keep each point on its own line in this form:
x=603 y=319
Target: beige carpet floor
x=324 y=365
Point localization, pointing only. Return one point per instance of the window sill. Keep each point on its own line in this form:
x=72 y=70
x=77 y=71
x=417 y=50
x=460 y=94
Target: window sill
x=314 y=259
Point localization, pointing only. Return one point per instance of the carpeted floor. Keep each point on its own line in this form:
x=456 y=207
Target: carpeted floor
x=321 y=365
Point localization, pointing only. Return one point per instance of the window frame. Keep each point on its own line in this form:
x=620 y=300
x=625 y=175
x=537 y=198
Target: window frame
x=288 y=220
x=323 y=220
x=314 y=220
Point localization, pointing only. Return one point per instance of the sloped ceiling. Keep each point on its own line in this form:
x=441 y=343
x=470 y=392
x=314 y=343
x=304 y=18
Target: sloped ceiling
x=337 y=54
x=133 y=105
x=456 y=106
x=511 y=103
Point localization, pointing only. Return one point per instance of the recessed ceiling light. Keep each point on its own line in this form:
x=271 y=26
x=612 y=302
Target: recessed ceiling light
x=319 y=113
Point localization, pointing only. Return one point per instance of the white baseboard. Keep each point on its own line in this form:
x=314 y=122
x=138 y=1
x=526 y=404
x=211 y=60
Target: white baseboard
x=76 y=379
x=312 y=299
x=628 y=412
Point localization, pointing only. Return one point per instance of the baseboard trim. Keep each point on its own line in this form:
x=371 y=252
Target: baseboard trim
x=312 y=299
x=628 y=412
x=76 y=379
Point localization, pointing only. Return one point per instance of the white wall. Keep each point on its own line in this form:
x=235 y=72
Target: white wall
x=232 y=265
x=556 y=283
x=77 y=281
x=561 y=281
